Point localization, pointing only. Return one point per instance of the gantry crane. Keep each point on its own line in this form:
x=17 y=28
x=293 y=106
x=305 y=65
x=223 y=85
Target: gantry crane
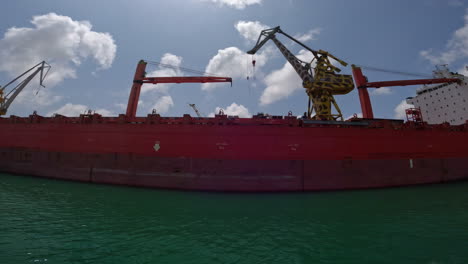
x=321 y=82
x=140 y=78
x=6 y=100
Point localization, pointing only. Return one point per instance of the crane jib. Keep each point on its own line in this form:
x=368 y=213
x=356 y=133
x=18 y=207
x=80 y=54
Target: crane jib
x=6 y=100
x=320 y=82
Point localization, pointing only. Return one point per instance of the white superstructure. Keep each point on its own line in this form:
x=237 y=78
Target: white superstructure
x=441 y=103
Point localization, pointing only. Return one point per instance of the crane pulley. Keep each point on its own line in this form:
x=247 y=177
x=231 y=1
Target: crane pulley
x=321 y=81
x=8 y=98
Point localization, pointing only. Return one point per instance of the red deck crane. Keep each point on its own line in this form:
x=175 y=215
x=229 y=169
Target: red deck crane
x=140 y=79
x=362 y=84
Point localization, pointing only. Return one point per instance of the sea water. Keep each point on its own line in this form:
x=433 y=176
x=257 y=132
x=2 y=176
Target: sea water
x=51 y=221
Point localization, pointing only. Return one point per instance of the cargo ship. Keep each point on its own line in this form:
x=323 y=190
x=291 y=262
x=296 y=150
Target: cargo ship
x=316 y=152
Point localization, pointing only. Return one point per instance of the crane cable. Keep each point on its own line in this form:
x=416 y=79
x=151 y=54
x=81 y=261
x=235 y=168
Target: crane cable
x=41 y=80
x=253 y=70
x=182 y=68
x=395 y=72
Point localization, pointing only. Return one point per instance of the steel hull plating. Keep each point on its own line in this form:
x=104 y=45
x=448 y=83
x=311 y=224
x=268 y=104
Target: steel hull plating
x=221 y=154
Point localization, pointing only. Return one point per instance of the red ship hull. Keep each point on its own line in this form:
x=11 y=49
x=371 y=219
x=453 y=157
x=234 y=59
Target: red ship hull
x=234 y=154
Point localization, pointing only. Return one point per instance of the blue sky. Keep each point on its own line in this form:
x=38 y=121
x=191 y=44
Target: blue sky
x=94 y=62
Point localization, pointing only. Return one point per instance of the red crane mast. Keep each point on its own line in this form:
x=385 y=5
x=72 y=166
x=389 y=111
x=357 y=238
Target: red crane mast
x=140 y=79
x=362 y=84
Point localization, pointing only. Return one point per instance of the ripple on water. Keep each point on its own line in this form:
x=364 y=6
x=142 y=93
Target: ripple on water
x=64 y=222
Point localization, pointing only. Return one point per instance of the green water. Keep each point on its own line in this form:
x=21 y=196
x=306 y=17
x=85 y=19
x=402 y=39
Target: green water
x=48 y=221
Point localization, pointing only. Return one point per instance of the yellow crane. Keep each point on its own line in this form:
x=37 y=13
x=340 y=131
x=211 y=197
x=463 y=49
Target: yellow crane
x=320 y=82
x=6 y=99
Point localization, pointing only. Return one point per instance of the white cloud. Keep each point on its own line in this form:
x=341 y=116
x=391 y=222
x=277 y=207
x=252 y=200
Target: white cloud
x=310 y=35
x=38 y=97
x=232 y=62
x=77 y=109
x=104 y=112
x=283 y=82
x=239 y=4
x=163 y=104
x=63 y=43
x=235 y=63
x=382 y=91
x=456 y=48
x=250 y=30
x=400 y=109
x=463 y=71
x=162 y=71
x=59 y=40
x=122 y=107
x=233 y=110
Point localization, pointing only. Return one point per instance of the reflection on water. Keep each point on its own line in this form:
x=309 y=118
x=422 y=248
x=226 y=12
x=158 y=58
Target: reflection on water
x=48 y=221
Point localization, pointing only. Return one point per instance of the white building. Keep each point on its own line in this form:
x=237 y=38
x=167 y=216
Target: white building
x=447 y=102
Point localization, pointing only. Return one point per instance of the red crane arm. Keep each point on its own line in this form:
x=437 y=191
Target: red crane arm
x=409 y=82
x=361 y=81
x=362 y=84
x=140 y=79
x=188 y=79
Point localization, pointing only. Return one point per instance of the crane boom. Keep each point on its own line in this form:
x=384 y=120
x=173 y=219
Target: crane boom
x=269 y=33
x=140 y=79
x=321 y=84
x=302 y=68
x=195 y=109
x=186 y=79
x=5 y=101
x=362 y=85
